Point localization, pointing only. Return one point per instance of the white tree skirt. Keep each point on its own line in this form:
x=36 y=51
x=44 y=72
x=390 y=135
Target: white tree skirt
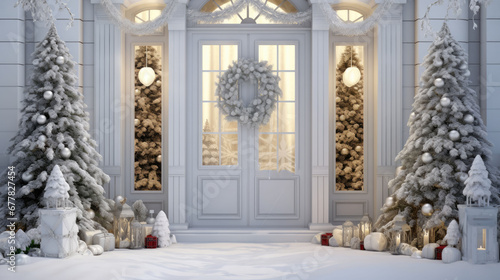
x=247 y=261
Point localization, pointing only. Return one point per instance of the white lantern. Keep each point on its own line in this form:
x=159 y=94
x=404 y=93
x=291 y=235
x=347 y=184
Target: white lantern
x=365 y=226
x=347 y=233
x=146 y=76
x=136 y=235
x=351 y=76
x=121 y=224
x=399 y=234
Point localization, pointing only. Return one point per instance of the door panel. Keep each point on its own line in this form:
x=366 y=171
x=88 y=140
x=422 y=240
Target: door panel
x=244 y=176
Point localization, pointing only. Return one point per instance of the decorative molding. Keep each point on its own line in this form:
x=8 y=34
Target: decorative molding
x=348 y=204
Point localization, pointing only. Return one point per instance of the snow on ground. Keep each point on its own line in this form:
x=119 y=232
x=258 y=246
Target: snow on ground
x=295 y=261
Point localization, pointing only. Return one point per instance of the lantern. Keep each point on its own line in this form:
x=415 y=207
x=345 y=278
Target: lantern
x=398 y=235
x=365 y=226
x=347 y=233
x=151 y=242
x=121 y=223
x=136 y=235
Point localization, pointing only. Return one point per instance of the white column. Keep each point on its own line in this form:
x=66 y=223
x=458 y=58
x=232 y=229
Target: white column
x=388 y=79
x=108 y=50
x=177 y=118
x=320 y=120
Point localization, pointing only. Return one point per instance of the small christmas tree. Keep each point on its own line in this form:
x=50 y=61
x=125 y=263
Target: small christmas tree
x=446 y=132
x=453 y=234
x=54 y=130
x=210 y=148
x=349 y=126
x=161 y=230
x=56 y=189
x=477 y=186
x=148 y=122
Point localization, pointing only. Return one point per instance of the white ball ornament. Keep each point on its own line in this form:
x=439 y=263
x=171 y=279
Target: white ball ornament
x=389 y=201
x=439 y=82
x=342 y=117
x=468 y=119
x=412 y=115
x=351 y=76
x=158 y=83
x=27 y=176
x=91 y=214
x=36 y=62
x=337 y=99
x=137 y=91
x=42 y=138
x=463 y=66
x=60 y=60
x=41 y=119
x=463 y=177
x=47 y=95
x=427 y=158
x=445 y=101
x=344 y=151
x=158 y=158
x=427 y=209
x=65 y=153
x=358 y=148
x=146 y=76
x=137 y=122
x=454 y=135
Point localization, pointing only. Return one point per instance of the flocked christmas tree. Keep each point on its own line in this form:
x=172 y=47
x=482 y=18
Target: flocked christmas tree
x=477 y=186
x=148 y=122
x=53 y=130
x=349 y=126
x=56 y=189
x=446 y=133
x=210 y=149
x=161 y=230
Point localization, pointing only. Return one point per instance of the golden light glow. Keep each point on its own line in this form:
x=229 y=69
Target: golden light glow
x=351 y=76
x=146 y=76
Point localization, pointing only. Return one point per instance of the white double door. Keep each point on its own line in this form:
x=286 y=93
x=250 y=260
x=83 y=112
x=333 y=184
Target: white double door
x=241 y=176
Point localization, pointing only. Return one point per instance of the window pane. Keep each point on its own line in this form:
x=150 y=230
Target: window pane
x=286 y=153
x=286 y=57
x=353 y=15
x=229 y=155
x=210 y=117
x=267 y=151
x=228 y=126
x=286 y=117
x=287 y=86
x=208 y=85
x=210 y=149
x=154 y=14
x=272 y=125
x=147 y=121
x=343 y=15
x=229 y=53
x=210 y=57
x=269 y=53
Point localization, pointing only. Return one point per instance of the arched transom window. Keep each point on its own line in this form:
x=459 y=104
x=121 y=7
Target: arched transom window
x=250 y=15
x=349 y=15
x=147 y=15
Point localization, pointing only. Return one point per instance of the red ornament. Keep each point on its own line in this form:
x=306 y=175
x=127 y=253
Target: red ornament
x=325 y=239
x=438 y=252
x=361 y=245
x=151 y=242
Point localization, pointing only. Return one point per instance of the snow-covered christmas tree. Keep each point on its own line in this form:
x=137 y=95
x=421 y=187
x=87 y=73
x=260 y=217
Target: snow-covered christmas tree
x=161 y=230
x=349 y=126
x=446 y=133
x=148 y=122
x=53 y=130
x=210 y=148
x=477 y=186
x=453 y=234
x=56 y=189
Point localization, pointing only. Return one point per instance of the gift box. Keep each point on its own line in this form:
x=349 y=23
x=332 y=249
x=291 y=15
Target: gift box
x=361 y=245
x=438 y=252
x=325 y=239
x=106 y=240
x=151 y=242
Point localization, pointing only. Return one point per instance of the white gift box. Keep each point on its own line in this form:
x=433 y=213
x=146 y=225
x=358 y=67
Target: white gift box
x=58 y=232
x=87 y=235
x=105 y=240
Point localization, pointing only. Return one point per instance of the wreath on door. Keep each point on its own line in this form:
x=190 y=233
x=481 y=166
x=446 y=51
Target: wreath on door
x=259 y=111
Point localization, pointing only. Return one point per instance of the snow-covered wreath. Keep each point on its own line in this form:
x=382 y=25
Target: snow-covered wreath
x=259 y=111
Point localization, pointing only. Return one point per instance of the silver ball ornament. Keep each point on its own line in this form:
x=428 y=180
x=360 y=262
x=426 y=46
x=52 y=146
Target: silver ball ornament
x=120 y=200
x=463 y=177
x=389 y=201
x=439 y=82
x=427 y=158
x=158 y=158
x=137 y=122
x=60 y=60
x=65 y=153
x=27 y=176
x=358 y=148
x=344 y=151
x=91 y=214
x=41 y=119
x=42 y=138
x=454 y=135
x=468 y=119
x=427 y=209
x=47 y=95
x=445 y=101
x=463 y=66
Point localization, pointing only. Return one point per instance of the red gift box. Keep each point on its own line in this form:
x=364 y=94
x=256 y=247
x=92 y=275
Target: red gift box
x=325 y=239
x=361 y=245
x=438 y=252
x=151 y=242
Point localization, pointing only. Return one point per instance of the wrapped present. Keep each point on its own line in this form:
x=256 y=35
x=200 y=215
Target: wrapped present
x=87 y=235
x=361 y=245
x=58 y=231
x=325 y=239
x=105 y=240
x=147 y=229
x=439 y=252
x=151 y=242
